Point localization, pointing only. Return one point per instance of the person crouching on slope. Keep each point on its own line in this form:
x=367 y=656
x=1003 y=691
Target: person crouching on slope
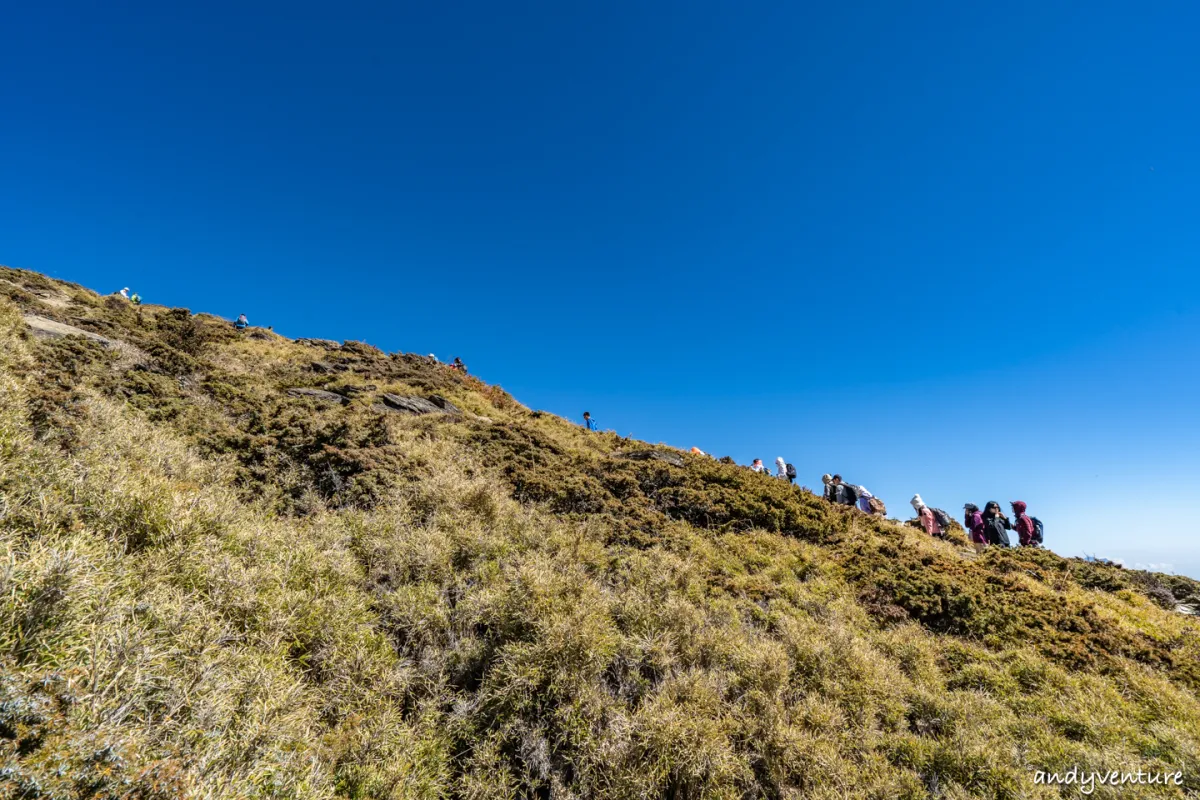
x=925 y=515
x=973 y=522
x=1024 y=526
x=869 y=503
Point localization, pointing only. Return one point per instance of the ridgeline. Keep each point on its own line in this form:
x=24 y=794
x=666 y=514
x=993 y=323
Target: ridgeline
x=239 y=565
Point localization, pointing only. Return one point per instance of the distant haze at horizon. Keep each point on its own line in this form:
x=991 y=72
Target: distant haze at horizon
x=948 y=250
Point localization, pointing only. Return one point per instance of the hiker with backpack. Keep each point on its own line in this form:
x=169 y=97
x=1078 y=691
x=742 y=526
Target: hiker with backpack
x=1029 y=529
x=786 y=470
x=242 y=323
x=935 y=521
x=996 y=525
x=869 y=503
x=973 y=522
x=838 y=492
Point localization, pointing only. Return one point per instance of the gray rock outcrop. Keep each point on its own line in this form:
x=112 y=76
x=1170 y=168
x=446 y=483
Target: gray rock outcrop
x=417 y=405
x=317 y=394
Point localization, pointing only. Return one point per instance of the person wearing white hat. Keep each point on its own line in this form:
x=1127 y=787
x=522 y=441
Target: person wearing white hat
x=124 y=293
x=925 y=515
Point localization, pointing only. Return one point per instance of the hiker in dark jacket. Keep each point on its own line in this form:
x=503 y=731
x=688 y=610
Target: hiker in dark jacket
x=996 y=524
x=1024 y=526
x=840 y=492
x=973 y=522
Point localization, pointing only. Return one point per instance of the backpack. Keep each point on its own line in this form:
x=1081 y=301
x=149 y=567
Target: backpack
x=943 y=519
x=877 y=506
x=1037 y=530
x=850 y=493
x=790 y=471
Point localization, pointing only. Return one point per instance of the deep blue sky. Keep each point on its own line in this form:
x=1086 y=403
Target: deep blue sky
x=948 y=248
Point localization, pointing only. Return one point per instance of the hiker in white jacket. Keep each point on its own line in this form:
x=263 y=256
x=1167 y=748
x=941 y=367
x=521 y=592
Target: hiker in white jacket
x=780 y=468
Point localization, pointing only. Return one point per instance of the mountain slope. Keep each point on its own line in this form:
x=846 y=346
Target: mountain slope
x=234 y=569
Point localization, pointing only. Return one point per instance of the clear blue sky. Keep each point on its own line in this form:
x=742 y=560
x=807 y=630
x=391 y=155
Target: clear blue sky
x=947 y=247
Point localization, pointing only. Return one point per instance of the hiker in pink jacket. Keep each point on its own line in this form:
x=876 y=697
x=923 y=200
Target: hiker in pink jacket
x=925 y=515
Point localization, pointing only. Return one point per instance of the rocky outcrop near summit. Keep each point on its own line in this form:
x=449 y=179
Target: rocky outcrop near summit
x=417 y=405
x=317 y=394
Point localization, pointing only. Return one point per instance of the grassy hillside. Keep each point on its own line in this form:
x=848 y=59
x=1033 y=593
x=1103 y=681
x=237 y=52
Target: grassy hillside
x=216 y=587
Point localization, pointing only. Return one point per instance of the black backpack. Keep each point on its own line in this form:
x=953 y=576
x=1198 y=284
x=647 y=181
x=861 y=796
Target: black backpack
x=790 y=471
x=996 y=532
x=850 y=493
x=943 y=519
x=1037 y=530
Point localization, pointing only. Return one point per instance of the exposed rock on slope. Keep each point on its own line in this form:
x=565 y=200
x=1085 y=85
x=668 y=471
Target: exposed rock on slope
x=674 y=459
x=317 y=394
x=418 y=405
x=48 y=328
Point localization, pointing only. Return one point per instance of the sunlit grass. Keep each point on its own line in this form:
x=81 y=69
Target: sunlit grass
x=192 y=605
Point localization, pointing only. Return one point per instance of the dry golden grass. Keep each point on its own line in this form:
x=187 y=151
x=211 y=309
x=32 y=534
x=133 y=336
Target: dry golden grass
x=164 y=632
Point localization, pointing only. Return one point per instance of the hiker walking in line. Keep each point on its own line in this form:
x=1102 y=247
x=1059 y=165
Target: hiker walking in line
x=847 y=492
x=1029 y=530
x=786 y=470
x=973 y=522
x=458 y=364
x=588 y=422
x=864 y=500
x=124 y=293
x=929 y=521
x=839 y=492
x=136 y=299
x=758 y=466
x=996 y=524
x=780 y=468
x=242 y=323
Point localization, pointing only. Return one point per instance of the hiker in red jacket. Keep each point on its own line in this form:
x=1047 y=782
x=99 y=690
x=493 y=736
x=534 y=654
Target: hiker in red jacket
x=1024 y=524
x=973 y=522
